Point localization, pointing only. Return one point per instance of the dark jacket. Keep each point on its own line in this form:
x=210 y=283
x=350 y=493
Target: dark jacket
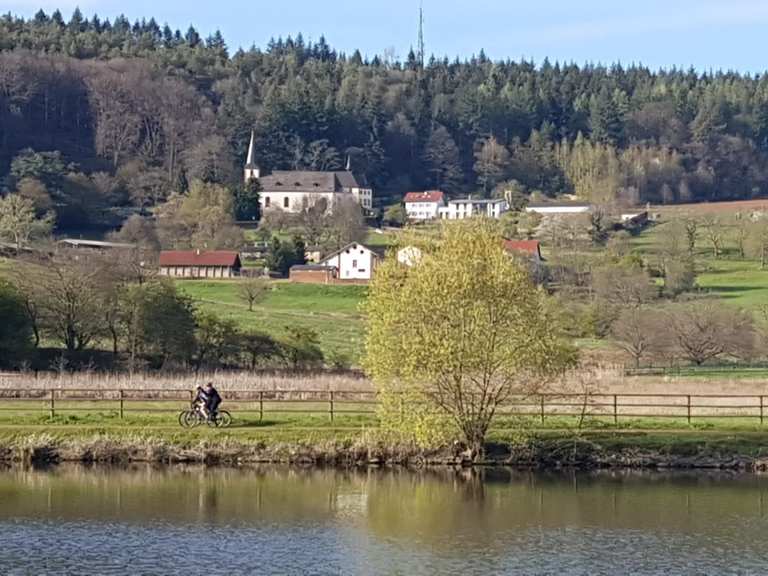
x=214 y=398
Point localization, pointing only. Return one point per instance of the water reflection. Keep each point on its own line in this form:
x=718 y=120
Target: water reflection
x=382 y=522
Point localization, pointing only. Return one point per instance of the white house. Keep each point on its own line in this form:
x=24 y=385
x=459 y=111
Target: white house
x=558 y=209
x=424 y=205
x=469 y=207
x=289 y=190
x=353 y=262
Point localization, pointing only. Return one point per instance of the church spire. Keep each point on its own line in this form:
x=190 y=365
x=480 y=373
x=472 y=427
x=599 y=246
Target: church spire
x=251 y=169
x=349 y=163
x=251 y=150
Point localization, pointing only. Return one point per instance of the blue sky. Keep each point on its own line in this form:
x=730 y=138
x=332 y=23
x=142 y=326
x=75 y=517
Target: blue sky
x=708 y=34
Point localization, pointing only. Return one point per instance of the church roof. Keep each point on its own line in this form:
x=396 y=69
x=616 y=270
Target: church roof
x=308 y=181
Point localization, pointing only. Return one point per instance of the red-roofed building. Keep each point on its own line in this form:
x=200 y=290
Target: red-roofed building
x=529 y=248
x=424 y=205
x=199 y=264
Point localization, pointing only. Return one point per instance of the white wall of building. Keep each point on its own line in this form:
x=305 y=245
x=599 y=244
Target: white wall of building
x=461 y=209
x=355 y=262
x=364 y=197
x=422 y=210
x=293 y=201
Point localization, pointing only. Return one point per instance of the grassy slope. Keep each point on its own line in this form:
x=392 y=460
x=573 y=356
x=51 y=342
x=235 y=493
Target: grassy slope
x=332 y=311
x=740 y=282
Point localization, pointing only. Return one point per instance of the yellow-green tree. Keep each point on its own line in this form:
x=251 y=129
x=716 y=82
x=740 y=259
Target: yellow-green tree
x=464 y=328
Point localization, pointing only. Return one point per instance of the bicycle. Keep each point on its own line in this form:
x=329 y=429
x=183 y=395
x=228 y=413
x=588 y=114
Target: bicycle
x=195 y=417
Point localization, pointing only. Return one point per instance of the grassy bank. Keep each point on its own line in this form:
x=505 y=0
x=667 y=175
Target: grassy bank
x=543 y=449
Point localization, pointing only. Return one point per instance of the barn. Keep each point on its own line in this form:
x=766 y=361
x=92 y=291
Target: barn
x=200 y=264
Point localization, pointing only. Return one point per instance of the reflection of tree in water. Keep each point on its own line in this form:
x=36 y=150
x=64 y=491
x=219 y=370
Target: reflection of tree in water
x=208 y=501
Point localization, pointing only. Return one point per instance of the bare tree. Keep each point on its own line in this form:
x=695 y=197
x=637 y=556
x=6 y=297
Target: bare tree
x=691 y=226
x=637 y=331
x=707 y=330
x=741 y=234
x=69 y=297
x=252 y=290
x=345 y=224
x=757 y=240
x=118 y=125
x=714 y=232
x=623 y=286
x=313 y=219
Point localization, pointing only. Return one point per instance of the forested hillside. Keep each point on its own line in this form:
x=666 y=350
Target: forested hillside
x=98 y=115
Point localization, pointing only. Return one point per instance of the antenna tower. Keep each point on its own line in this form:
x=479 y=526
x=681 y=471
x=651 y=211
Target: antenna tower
x=421 y=35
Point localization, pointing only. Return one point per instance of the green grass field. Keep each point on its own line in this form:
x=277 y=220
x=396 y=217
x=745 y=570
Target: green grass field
x=332 y=311
x=738 y=281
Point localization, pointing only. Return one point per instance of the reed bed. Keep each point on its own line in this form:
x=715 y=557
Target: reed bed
x=230 y=381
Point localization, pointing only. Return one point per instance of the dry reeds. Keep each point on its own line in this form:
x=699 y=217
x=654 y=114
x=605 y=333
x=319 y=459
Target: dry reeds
x=230 y=381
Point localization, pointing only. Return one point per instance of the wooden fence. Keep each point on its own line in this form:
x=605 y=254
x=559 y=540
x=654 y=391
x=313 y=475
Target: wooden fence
x=260 y=404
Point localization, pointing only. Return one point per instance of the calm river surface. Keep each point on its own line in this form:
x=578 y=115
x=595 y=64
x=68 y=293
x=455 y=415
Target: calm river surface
x=144 y=520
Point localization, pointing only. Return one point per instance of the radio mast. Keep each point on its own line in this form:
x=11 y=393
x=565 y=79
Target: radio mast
x=420 y=55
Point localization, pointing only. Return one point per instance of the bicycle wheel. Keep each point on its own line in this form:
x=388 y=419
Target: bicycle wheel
x=183 y=419
x=223 y=419
x=189 y=419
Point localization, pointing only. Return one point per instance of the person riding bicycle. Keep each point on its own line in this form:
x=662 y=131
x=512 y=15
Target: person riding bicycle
x=213 y=399
x=201 y=400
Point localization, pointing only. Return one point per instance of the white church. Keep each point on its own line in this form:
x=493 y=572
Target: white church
x=289 y=190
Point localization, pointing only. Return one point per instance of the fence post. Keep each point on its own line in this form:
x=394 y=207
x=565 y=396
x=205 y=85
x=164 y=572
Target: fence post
x=542 y=408
x=616 y=409
x=330 y=405
x=762 y=411
x=53 y=404
x=121 y=404
x=261 y=405
x=689 y=408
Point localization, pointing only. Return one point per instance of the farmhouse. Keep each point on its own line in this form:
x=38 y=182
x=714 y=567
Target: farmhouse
x=289 y=190
x=470 y=207
x=424 y=205
x=354 y=262
x=199 y=264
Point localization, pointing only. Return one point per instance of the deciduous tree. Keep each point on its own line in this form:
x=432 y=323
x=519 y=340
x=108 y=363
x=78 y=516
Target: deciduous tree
x=465 y=328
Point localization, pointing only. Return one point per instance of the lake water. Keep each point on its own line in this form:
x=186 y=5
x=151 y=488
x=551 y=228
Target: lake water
x=168 y=521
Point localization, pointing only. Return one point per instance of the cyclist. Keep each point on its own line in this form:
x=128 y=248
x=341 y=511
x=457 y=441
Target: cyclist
x=213 y=400
x=201 y=400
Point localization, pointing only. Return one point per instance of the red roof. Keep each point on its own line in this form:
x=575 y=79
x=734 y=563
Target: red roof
x=532 y=247
x=426 y=196
x=199 y=258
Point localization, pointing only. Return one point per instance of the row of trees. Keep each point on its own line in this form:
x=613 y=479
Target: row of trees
x=87 y=302
x=695 y=332
x=135 y=112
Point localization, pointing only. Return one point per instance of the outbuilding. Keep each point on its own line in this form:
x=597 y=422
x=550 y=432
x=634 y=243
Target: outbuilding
x=200 y=264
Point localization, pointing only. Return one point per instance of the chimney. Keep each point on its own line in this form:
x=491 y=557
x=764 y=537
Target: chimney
x=197 y=251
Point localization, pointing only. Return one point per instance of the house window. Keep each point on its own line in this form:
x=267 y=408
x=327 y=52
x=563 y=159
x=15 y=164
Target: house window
x=266 y=201
x=285 y=202
x=354 y=263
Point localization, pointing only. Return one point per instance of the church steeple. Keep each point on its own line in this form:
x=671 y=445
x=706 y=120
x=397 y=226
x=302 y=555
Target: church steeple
x=251 y=169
